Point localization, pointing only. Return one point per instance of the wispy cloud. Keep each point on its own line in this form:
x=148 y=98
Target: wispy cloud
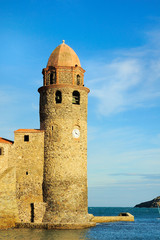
x=126 y=156
x=147 y=176
x=130 y=80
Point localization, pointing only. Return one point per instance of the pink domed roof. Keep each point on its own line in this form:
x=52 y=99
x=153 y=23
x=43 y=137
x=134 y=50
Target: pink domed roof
x=63 y=56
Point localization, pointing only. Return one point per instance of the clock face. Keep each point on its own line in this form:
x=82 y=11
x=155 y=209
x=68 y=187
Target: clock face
x=76 y=133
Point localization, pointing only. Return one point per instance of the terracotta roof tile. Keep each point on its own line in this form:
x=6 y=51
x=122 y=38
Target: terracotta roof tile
x=3 y=140
x=29 y=130
x=63 y=55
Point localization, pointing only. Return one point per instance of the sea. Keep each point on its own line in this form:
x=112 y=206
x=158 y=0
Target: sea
x=146 y=226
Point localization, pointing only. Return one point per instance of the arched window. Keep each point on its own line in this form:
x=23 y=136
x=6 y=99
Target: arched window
x=58 y=97
x=53 y=78
x=75 y=97
x=78 y=79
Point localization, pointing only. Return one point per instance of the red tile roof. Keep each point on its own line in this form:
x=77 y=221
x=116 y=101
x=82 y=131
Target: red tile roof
x=29 y=130
x=3 y=140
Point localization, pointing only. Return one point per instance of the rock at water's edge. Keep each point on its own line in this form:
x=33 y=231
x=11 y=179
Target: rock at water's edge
x=149 y=204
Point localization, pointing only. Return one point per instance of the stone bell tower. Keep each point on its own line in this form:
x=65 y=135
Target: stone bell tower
x=63 y=117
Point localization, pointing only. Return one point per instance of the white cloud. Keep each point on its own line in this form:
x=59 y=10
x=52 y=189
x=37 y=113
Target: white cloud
x=129 y=81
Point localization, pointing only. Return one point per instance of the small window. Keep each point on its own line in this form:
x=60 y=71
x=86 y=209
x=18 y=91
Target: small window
x=75 y=97
x=53 y=78
x=58 y=97
x=52 y=132
x=26 y=138
x=32 y=212
x=78 y=79
x=27 y=173
x=1 y=151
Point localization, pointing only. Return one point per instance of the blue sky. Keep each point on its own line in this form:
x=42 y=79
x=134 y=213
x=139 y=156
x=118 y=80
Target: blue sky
x=118 y=43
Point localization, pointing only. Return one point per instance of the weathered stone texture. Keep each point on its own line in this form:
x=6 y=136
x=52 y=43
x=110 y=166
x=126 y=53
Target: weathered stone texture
x=80 y=72
x=65 y=76
x=5 y=148
x=65 y=158
x=120 y=218
x=29 y=172
x=8 y=204
x=69 y=226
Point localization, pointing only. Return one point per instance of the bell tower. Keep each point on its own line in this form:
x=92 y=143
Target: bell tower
x=63 y=117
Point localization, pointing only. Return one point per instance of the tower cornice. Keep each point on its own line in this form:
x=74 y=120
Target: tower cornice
x=64 y=86
x=48 y=68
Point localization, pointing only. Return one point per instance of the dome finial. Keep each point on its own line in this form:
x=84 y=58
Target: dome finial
x=63 y=41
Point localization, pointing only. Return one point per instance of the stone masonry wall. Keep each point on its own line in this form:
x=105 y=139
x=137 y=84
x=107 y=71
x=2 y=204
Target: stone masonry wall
x=64 y=75
x=4 y=157
x=8 y=203
x=78 y=71
x=29 y=157
x=65 y=159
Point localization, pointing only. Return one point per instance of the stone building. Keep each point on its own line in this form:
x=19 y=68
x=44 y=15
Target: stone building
x=43 y=173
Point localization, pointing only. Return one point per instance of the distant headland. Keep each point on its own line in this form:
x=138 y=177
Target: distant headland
x=149 y=204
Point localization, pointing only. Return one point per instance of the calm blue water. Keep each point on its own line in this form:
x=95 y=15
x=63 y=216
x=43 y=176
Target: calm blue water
x=146 y=227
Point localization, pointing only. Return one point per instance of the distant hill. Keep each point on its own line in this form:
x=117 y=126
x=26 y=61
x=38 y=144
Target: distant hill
x=150 y=204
